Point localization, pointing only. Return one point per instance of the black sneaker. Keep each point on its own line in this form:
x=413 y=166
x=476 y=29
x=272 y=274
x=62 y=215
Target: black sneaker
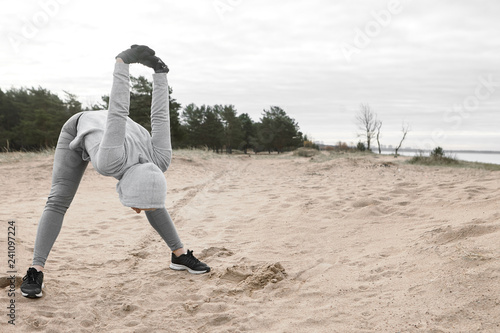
x=155 y=63
x=135 y=54
x=32 y=284
x=189 y=262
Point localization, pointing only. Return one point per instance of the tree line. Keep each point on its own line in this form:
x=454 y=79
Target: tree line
x=31 y=119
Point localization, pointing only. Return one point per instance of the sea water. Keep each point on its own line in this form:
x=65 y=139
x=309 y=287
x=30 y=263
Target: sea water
x=493 y=158
x=478 y=157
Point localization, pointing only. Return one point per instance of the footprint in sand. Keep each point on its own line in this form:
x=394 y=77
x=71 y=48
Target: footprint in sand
x=140 y=254
x=46 y=314
x=364 y=203
x=449 y=235
x=132 y=323
x=313 y=271
x=251 y=278
x=5 y=281
x=236 y=274
x=220 y=320
x=215 y=252
x=380 y=273
x=37 y=323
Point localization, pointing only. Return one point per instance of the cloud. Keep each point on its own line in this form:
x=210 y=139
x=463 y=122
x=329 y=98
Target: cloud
x=260 y=53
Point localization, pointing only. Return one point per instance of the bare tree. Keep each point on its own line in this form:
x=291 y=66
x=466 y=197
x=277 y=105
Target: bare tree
x=366 y=120
x=378 y=126
x=405 y=130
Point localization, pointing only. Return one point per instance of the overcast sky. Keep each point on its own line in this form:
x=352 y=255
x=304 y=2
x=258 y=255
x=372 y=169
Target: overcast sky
x=434 y=65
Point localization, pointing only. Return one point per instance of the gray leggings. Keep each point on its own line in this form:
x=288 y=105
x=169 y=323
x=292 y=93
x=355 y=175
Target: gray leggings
x=66 y=176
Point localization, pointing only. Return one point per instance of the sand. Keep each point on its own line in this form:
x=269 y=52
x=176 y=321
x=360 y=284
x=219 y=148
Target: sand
x=344 y=244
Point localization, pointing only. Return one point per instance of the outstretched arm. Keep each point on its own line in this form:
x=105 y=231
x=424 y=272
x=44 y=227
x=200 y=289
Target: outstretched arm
x=160 y=122
x=119 y=103
x=111 y=154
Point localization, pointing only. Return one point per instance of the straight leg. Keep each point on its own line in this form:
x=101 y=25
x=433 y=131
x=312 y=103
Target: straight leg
x=66 y=176
x=161 y=221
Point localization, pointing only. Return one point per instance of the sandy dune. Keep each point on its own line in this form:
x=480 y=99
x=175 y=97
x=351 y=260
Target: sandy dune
x=349 y=244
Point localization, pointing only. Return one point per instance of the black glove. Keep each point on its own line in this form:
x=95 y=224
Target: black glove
x=155 y=63
x=135 y=54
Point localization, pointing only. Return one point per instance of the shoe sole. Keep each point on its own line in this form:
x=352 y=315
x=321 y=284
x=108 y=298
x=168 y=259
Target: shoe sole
x=177 y=267
x=40 y=294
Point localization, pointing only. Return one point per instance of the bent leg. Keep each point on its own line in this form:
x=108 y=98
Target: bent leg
x=66 y=175
x=163 y=224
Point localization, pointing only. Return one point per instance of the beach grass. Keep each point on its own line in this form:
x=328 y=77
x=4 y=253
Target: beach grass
x=313 y=154
x=306 y=152
x=18 y=156
x=450 y=161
